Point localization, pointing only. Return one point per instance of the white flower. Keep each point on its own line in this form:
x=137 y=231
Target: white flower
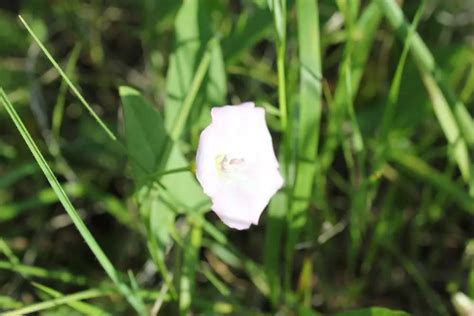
x=236 y=164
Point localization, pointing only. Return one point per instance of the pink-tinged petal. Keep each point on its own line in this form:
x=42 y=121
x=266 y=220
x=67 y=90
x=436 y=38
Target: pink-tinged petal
x=231 y=113
x=239 y=206
x=236 y=164
x=205 y=162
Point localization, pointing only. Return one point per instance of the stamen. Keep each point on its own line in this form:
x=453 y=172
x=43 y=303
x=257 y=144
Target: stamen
x=236 y=161
x=225 y=164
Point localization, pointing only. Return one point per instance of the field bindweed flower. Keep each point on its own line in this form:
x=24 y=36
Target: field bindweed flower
x=236 y=164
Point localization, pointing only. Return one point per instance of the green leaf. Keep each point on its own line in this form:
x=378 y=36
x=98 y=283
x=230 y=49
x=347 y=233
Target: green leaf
x=182 y=187
x=152 y=153
x=144 y=132
x=193 y=33
x=149 y=149
x=48 y=274
x=160 y=205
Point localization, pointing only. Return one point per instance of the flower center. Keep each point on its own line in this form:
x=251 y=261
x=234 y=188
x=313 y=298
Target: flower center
x=226 y=164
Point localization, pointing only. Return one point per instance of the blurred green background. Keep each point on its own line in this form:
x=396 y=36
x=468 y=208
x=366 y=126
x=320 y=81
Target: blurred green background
x=387 y=219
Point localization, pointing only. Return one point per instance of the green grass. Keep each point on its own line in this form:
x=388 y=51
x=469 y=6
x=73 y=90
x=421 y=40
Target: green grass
x=370 y=107
x=71 y=211
x=67 y=80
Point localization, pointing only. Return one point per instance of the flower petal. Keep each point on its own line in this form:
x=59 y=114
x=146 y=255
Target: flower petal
x=205 y=162
x=240 y=204
x=236 y=164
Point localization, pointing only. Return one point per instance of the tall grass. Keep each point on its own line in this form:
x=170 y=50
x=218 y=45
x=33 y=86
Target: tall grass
x=370 y=113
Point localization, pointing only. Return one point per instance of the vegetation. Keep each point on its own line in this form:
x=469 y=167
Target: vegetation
x=370 y=106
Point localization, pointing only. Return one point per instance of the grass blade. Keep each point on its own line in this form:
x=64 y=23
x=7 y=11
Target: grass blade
x=201 y=71
x=449 y=126
x=418 y=167
x=71 y=211
x=188 y=270
x=68 y=299
x=196 y=78
x=68 y=81
x=366 y=26
x=389 y=112
x=279 y=21
x=308 y=123
x=452 y=115
x=250 y=28
x=278 y=208
x=353 y=146
x=84 y=308
x=27 y=271
x=58 y=111
x=427 y=63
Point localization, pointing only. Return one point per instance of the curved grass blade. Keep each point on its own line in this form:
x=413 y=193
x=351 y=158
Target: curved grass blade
x=454 y=119
x=106 y=264
x=67 y=80
x=419 y=168
x=427 y=64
